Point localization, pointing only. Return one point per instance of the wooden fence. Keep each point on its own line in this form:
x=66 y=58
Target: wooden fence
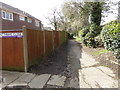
x=23 y=48
x=12 y=51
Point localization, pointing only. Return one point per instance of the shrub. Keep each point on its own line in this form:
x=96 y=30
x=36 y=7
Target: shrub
x=98 y=41
x=84 y=31
x=89 y=33
x=111 y=37
x=70 y=35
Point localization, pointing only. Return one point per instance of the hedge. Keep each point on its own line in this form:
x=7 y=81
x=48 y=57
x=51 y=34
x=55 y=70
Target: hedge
x=110 y=35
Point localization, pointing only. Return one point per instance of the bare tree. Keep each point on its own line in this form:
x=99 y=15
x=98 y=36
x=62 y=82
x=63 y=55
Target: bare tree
x=53 y=19
x=58 y=20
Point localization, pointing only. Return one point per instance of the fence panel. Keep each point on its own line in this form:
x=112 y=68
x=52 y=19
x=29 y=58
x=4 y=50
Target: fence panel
x=61 y=37
x=48 y=42
x=41 y=44
x=32 y=44
x=20 y=52
x=56 y=38
x=12 y=52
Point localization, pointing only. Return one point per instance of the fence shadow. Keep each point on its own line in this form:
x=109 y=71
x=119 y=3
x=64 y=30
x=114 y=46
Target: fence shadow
x=64 y=61
x=54 y=64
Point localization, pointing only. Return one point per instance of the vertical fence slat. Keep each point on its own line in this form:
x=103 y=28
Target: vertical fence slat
x=44 y=42
x=53 y=40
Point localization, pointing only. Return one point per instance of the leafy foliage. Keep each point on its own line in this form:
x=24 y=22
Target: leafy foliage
x=89 y=33
x=98 y=41
x=111 y=37
x=77 y=14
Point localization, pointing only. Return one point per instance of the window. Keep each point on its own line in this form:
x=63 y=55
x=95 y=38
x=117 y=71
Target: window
x=29 y=20
x=7 y=15
x=3 y=14
x=22 y=18
x=37 y=23
x=11 y=16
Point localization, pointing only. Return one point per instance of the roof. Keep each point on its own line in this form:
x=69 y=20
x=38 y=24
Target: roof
x=4 y=6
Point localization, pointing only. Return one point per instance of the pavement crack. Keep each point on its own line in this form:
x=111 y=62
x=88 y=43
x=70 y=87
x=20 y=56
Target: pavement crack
x=105 y=73
x=96 y=65
x=98 y=85
x=48 y=80
x=31 y=79
x=82 y=75
x=15 y=79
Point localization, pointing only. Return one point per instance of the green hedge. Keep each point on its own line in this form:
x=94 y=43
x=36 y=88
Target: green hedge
x=111 y=37
x=89 y=33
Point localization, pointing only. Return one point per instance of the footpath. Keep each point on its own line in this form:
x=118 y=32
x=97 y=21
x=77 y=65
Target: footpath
x=29 y=80
x=93 y=75
x=81 y=71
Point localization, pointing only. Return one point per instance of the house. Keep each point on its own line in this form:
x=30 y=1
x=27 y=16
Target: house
x=12 y=19
x=48 y=28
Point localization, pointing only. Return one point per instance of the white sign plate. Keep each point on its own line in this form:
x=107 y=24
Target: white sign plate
x=11 y=35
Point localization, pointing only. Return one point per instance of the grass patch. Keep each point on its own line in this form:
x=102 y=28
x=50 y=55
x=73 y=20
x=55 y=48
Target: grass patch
x=106 y=65
x=78 y=39
x=103 y=51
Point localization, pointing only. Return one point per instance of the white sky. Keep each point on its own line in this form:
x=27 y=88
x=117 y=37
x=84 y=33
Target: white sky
x=37 y=8
x=113 y=15
x=42 y=8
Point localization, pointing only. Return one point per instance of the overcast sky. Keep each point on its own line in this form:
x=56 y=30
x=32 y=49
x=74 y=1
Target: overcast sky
x=114 y=12
x=37 y=8
x=42 y=8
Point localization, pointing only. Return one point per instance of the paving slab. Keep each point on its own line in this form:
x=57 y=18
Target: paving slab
x=87 y=60
x=23 y=80
x=74 y=82
x=10 y=76
x=92 y=75
x=106 y=70
x=97 y=79
x=57 y=80
x=39 y=81
x=82 y=83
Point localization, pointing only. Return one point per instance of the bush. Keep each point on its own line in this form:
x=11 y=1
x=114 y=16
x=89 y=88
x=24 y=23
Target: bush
x=111 y=37
x=70 y=35
x=98 y=41
x=95 y=29
x=89 y=33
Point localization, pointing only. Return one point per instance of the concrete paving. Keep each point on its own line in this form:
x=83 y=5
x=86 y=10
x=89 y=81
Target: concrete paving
x=9 y=77
x=39 y=81
x=87 y=60
x=21 y=79
x=57 y=80
x=93 y=75
x=86 y=73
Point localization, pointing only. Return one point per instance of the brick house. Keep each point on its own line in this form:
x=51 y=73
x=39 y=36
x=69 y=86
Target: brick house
x=12 y=19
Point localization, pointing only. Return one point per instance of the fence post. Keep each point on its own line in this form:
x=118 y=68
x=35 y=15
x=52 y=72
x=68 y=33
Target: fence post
x=25 y=48
x=44 y=41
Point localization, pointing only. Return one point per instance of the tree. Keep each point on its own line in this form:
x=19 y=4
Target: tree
x=53 y=19
x=77 y=14
x=57 y=20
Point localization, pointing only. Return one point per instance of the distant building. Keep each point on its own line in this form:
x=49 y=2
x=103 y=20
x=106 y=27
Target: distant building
x=47 y=28
x=12 y=18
